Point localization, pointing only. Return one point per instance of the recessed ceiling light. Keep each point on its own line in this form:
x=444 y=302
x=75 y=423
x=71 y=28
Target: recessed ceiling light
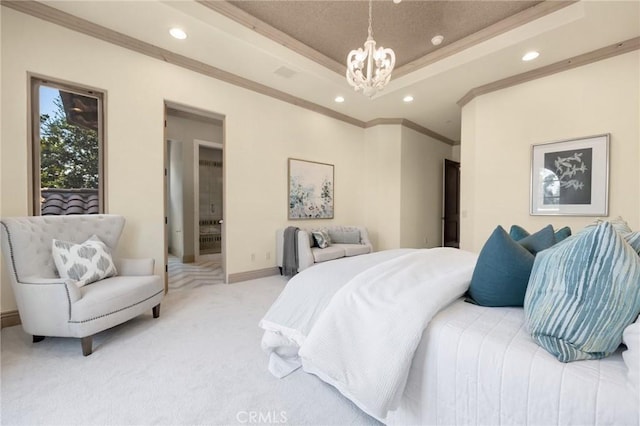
x=437 y=40
x=397 y=1
x=178 y=33
x=530 y=56
x=339 y=99
x=408 y=98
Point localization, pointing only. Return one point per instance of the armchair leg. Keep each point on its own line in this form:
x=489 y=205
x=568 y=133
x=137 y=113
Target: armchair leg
x=87 y=345
x=37 y=339
x=156 y=311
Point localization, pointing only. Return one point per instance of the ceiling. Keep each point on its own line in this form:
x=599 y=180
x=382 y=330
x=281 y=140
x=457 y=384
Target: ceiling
x=298 y=47
x=333 y=28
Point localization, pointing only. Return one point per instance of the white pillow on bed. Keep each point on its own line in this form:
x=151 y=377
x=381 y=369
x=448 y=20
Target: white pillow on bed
x=631 y=338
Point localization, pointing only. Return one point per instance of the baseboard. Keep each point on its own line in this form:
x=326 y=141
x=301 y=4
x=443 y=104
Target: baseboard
x=9 y=319
x=189 y=258
x=253 y=275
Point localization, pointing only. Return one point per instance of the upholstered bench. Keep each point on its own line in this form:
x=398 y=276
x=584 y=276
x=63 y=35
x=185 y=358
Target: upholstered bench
x=345 y=241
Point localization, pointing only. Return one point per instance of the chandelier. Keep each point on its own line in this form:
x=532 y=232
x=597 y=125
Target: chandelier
x=369 y=69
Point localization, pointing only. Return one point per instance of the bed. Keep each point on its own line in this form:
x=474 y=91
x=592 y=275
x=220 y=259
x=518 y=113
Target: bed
x=429 y=357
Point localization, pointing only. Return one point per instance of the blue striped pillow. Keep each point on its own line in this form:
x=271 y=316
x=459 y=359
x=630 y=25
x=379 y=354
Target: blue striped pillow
x=583 y=293
x=633 y=239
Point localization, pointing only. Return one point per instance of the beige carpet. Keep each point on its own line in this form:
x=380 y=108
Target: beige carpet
x=200 y=363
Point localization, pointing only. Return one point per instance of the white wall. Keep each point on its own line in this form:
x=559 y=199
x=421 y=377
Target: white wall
x=403 y=187
x=499 y=128
x=455 y=153
x=421 y=189
x=383 y=158
x=261 y=133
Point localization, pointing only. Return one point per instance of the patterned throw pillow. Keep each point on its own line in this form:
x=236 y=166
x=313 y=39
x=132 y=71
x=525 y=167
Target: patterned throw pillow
x=322 y=238
x=583 y=293
x=633 y=239
x=85 y=263
x=619 y=224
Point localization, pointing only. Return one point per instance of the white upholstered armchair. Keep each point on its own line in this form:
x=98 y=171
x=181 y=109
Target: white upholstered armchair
x=53 y=306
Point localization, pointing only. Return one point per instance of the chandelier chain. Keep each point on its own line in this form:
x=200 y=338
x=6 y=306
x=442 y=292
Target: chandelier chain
x=370 y=18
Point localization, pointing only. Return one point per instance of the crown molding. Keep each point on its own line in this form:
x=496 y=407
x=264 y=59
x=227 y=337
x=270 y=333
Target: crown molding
x=537 y=11
x=564 y=65
x=238 y=15
x=55 y=16
x=410 y=125
x=66 y=20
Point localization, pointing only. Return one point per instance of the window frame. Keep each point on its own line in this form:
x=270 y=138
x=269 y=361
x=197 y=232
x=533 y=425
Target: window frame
x=35 y=82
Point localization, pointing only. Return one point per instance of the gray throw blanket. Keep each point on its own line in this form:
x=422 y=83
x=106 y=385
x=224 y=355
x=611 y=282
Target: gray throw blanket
x=290 y=252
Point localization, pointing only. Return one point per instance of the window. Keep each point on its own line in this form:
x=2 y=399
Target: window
x=68 y=149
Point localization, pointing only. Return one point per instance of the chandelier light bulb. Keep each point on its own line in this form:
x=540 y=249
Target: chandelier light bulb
x=369 y=69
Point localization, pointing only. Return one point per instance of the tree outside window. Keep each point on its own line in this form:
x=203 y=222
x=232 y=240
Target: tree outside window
x=69 y=151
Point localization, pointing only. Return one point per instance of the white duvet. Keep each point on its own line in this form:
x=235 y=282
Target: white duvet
x=362 y=333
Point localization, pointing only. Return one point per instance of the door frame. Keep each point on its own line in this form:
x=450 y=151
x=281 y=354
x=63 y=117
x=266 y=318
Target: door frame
x=197 y=143
x=456 y=164
x=222 y=119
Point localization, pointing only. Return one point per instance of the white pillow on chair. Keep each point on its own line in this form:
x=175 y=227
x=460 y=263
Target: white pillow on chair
x=85 y=263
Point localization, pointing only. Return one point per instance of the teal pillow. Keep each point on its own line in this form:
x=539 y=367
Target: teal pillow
x=583 y=293
x=541 y=240
x=518 y=233
x=562 y=234
x=502 y=272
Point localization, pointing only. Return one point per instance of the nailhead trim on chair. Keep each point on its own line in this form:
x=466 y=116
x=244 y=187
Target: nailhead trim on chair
x=114 y=312
x=66 y=289
x=15 y=271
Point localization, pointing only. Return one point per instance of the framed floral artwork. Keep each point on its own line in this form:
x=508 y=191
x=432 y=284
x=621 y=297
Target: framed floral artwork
x=571 y=177
x=310 y=190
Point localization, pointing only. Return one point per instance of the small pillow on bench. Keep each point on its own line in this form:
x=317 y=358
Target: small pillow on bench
x=344 y=236
x=322 y=238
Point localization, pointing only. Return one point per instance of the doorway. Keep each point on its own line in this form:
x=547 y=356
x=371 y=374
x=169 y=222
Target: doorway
x=208 y=207
x=194 y=237
x=451 y=204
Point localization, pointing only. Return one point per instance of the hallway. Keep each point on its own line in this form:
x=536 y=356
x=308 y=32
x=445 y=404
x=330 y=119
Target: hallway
x=192 y=275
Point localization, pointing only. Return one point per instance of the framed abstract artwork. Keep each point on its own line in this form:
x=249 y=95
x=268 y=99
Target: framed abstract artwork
x=571 y=177
x=310 y=190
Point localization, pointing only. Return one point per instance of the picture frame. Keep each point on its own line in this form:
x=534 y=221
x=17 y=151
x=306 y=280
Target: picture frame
x=310 y=190
x=571 y=177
